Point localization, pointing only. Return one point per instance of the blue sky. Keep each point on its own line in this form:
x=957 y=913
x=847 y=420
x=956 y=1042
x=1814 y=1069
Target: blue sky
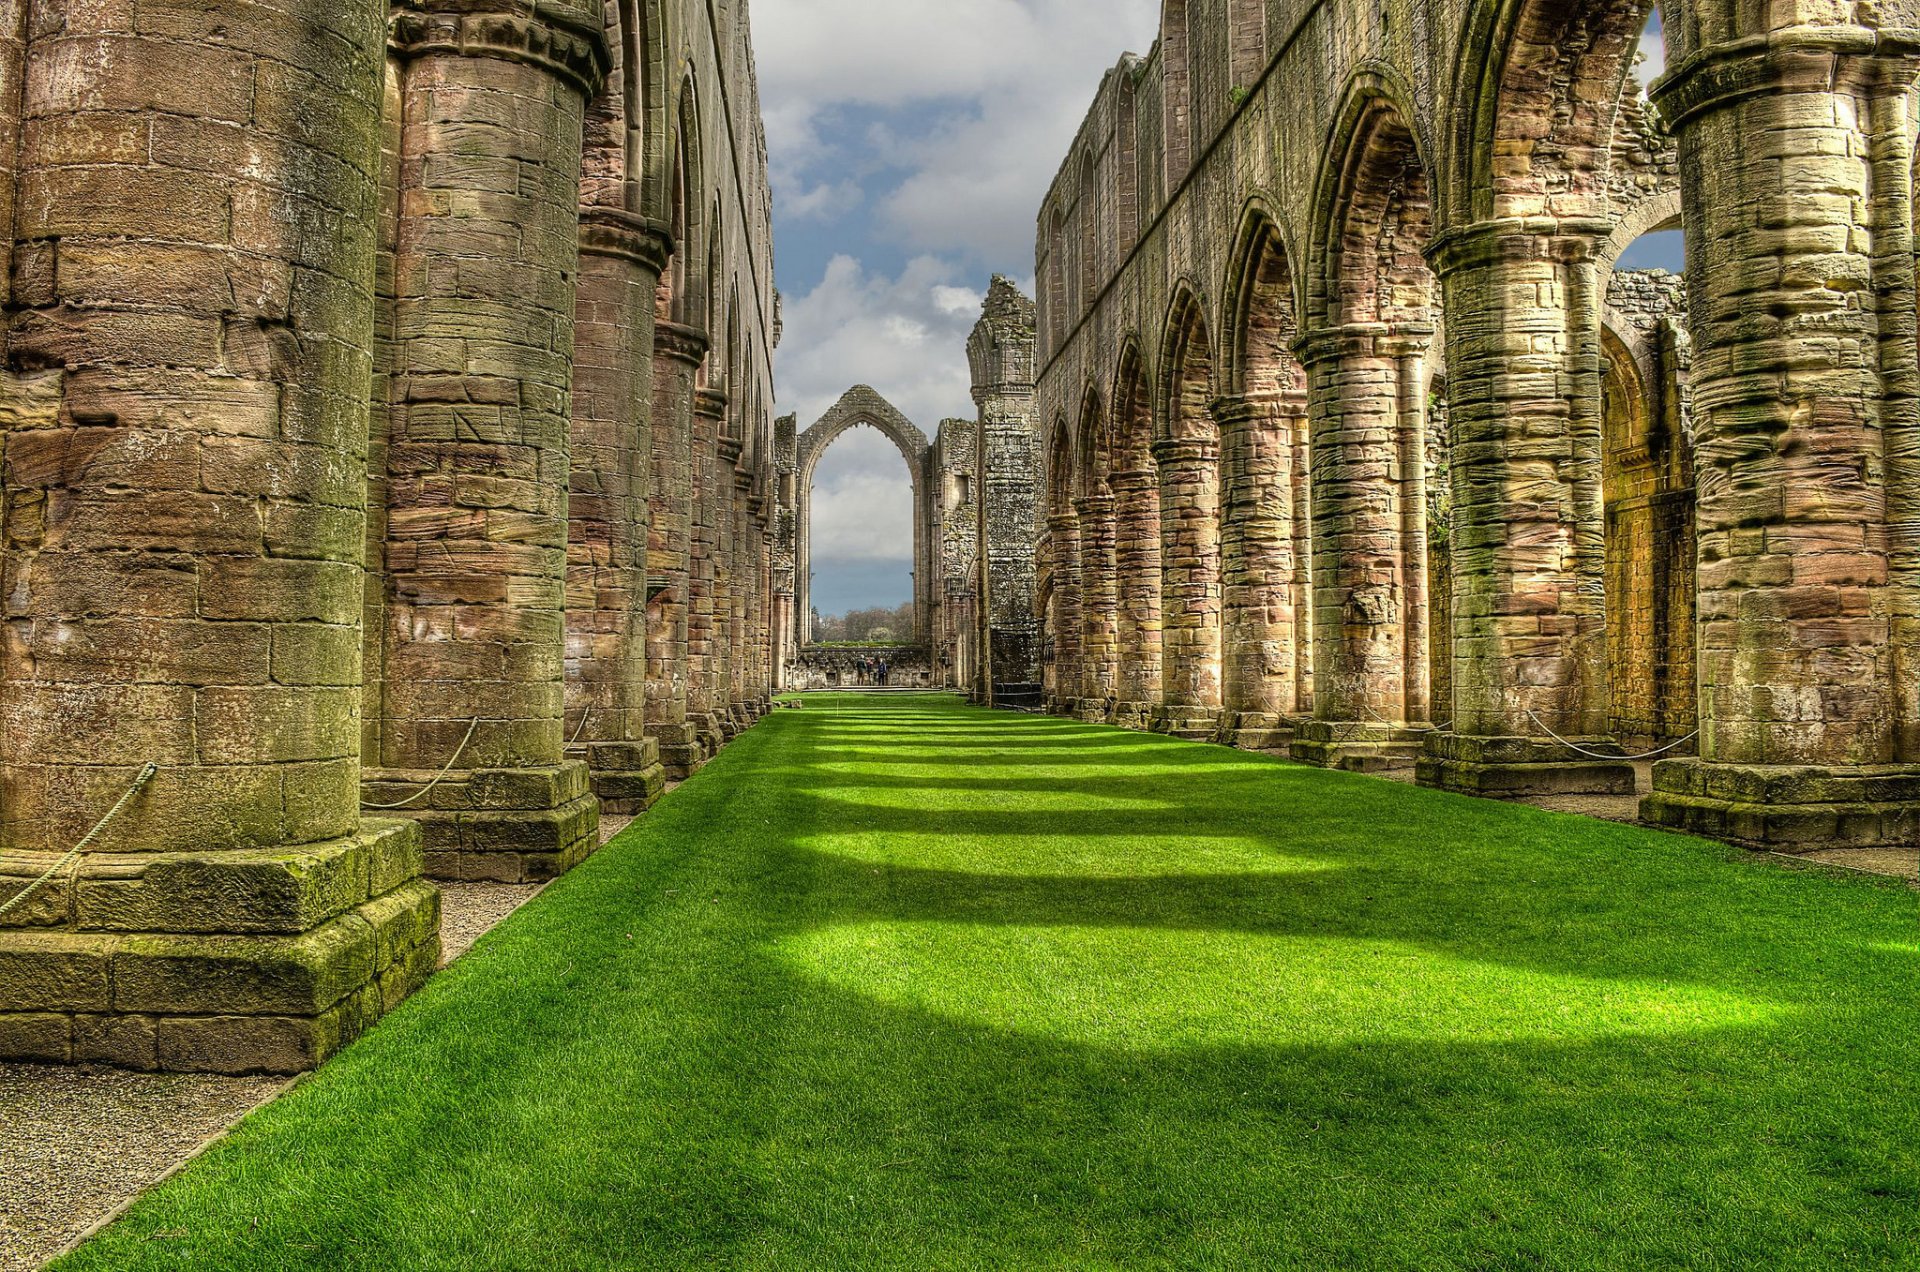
x=911 y=142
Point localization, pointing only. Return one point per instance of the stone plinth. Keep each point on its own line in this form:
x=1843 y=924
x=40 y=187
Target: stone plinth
x=1357 y=745
x=1789 y=808
x=221 y=961
x=510 y=825
x=1516 y=767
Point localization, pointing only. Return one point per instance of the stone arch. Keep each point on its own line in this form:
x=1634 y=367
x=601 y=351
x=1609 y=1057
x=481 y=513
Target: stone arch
x=1186 y=368
x=1262 y=324
x=1062 y=669
x=1374 y=213
x=683 y=298
x=1657 y=212
x=1264 y=456
x=1135 y=481
x=1189 y=467
x=1099 y=590
x=1543 y=80
x=1374 y=304
x=862 y=405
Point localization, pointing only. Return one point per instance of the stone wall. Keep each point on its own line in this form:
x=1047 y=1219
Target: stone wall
x=849 y=667
x=1338 y=219
x=346 y=350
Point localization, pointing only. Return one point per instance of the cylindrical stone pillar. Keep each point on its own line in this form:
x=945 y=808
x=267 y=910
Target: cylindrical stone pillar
x=1189 y=470
x=1136 y=503
x=725 y=495
x=705 y=639
x=677 y=354
x=741 y=570
x=1302 y=429
x=1099 y=607
x=1256 y=549
x=477 y=462
x=1362 y=521
x=184 y=402
x=1063 y=545
x=1528 y=542
x=1800 y=270
x=621 y=257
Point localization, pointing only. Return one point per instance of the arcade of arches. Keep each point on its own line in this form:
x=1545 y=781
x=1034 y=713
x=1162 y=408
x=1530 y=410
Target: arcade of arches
x=1362 y=445
x=391 y=483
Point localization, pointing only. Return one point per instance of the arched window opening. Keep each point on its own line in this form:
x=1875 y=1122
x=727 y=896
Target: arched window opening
x=860 y=538
x=1648 y=494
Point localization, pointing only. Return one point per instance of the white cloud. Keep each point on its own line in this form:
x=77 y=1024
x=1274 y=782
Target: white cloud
x=862 y=501
x=905 y=336
x=1009 y=81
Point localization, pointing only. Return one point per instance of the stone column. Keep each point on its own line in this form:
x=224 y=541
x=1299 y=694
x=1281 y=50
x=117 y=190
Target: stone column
x=677 y=354
x=1099 y=608
x=1257 y=540
x=706 y=700
x=725 y=585
x=1529 y=634
x=1800 y=263
x=185 y=406
x=621 y=257
x=1363 y=519
x=1302 y=564
x=744 y=571
x=1136 y=502
x=476 y=552
x=759 y=645
x=1063 y=544
x=1190 y=588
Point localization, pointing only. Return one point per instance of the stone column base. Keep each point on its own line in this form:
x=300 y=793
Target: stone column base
x=1788 y=808
x=242 y=961
x=1517 y=767
x=708 y=731
x=1132 y=715
x=681 y=751
x=1358 y=746
x=1194 y=724
x=497 y=825
x=1095 y=710
x=1068 y=708
x=627 y=777
x=1256 y=730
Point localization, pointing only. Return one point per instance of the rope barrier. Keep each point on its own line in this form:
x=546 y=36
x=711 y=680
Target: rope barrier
x=74 y=853
x=582 y=729
x=1596 y=755
x=426 y=790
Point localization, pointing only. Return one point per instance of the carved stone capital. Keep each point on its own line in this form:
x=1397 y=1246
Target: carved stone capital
x=1509 y=239
x=1185 y=452
x=1810 y=59
x=680 y=343
x=541 y=34
x=626 y=236
x=710 y=403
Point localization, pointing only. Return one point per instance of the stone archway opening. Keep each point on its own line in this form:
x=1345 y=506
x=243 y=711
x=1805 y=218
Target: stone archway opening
x=862 y=407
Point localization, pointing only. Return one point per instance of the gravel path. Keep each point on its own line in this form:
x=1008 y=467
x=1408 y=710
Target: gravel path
x=78 y=1143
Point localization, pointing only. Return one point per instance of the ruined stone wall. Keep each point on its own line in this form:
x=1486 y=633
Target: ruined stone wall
x=1001 y=354
x=1372 y=204
x=956 y=559
x=341 y=343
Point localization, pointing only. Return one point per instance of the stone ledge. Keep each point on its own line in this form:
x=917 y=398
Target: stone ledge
x=1512 y=767
x=1787 y=808
x=478 y=790
x=1193 y=724
x=215 y=1004
x=1257 y=730
x=526 y=845
x=1355 y=745
x=231 y=892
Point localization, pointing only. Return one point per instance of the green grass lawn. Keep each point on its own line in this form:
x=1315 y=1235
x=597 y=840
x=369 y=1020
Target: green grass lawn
x=901 y=984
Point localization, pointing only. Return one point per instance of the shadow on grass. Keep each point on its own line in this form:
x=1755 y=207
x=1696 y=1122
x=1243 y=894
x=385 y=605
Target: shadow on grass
x=838 y=1003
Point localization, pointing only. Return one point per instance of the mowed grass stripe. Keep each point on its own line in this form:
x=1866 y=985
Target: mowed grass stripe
x=900 y=984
